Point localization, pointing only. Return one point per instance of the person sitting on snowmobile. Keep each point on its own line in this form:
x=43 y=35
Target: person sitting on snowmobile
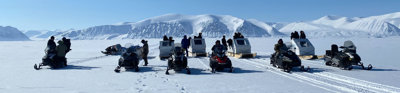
x=61 y=52
x=51 y=45
x=67 y=42
x=218 y=48
x=185 y=44
x=145 y=52
x=280 y=47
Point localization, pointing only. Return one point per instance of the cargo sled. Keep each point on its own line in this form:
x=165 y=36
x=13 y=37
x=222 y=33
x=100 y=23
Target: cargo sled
x=240 y=48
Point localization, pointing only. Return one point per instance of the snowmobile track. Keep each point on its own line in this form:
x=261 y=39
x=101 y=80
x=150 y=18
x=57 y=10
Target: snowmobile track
x=359 y=82
x=341 y=82
x=87 y=59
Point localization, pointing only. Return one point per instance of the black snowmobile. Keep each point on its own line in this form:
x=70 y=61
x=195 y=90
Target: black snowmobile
x=219 y=61
x=50 y=59
x=286 y=61
x=344 y=58
x=178 y=60
x=129 y=59
x=114 y=50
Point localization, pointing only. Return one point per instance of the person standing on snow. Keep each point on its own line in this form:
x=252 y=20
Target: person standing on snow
x=224 y=41
x=185 y=44
x=145 y=52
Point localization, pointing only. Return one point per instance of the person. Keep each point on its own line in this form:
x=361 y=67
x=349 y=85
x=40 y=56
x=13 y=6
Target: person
x=61 y=52
x=171 y=40
x=51 y=45
x=291 y=35
x=296 y=35
x=185 y=44
x=218 y=47
x=165 y=38
x=236 y=35
x=200 y=36
x=280 y=47
x=302 y=34
x=224 y=41
x=67 y=42
x=230 y=42
x=240 y=35
x=190 y=38
x=145 y=52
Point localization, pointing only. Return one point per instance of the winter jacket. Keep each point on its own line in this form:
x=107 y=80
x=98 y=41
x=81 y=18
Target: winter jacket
x=145 y=49
x=61 y=49
x=51 y=44
x=224 y=42
x=185 y=43
x=280 y=48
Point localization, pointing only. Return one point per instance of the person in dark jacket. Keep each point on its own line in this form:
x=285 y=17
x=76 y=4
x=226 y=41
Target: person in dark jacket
x=235 y=35
x=185 y=44
x=302 y=35
x=224 y=41
x=51 y=45
x=230 y=42
x=280 y=47
x=296 y=35
x=67 y=42
x=61 y=52
x=217 y=47
x=165 y=38
x=145 y=52
x=190 y=38
x=171 y=40
x=200 y=36
x=291 y=35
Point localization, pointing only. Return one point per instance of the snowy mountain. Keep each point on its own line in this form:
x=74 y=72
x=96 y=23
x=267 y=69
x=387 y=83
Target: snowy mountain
x=177 y=25
x=375 y=26
x=40 y=34
x=9 y=33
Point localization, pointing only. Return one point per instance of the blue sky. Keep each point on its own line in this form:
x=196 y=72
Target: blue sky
x=79 y=14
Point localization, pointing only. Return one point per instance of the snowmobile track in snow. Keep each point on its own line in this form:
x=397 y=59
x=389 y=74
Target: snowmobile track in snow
x=359 y=82
x=87 y=59
x=326 y=80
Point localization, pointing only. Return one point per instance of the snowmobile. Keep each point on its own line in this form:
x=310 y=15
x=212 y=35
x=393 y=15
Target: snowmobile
x=177 y=61
x=344 y=58
x=51 y=60
x=286 y=61
x=114 y=50
x=130 y=58
x=219 y=61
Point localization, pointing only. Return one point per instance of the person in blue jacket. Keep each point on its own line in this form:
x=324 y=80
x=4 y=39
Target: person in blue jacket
x=185 y=44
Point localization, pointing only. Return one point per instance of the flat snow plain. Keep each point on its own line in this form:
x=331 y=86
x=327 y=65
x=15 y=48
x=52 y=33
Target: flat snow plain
x=89 y=71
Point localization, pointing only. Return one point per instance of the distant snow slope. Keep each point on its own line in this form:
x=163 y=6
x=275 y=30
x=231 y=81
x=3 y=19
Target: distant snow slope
x=40 y=34
x=176 y=25
x=375 y=26
x=9 y=33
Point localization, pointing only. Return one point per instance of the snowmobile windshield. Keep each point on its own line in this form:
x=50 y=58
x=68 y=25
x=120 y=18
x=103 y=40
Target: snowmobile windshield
x=240 y=42
x=198 y=42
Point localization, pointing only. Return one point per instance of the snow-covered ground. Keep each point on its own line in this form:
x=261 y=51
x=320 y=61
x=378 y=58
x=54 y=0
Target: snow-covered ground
x=89 y=71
